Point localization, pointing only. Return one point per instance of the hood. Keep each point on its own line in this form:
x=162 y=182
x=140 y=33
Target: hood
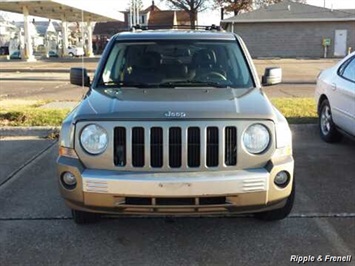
x=184 y=103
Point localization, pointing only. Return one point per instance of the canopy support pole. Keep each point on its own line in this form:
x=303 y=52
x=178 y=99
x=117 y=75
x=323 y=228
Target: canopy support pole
x=28 y=51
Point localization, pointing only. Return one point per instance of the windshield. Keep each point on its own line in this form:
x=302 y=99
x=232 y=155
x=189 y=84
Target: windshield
x=175 y=63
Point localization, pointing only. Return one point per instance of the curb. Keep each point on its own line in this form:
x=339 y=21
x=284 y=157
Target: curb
x=27 y=131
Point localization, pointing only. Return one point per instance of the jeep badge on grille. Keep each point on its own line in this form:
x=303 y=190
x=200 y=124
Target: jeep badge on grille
x=175 y=114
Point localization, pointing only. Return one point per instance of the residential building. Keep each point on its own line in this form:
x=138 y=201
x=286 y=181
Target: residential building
x=152 y=17
x=290 y=29
x=7 y=31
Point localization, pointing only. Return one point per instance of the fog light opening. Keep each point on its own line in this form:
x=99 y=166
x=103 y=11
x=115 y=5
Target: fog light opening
x=68 y=180
x=282 y=179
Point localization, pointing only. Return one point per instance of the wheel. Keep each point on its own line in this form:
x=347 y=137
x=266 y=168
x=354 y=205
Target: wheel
x=327 y=128
x=71 y=54
x=81 y=217
x=281 y=213
x=211 y=76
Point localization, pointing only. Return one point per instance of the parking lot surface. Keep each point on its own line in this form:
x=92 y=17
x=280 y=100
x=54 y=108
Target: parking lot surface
x=49 y=80
x=36 y=228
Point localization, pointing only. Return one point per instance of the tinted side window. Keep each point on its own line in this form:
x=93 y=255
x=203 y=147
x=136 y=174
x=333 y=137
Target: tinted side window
x=347 y=70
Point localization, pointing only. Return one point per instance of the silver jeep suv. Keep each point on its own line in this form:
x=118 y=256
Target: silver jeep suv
x=175 y=123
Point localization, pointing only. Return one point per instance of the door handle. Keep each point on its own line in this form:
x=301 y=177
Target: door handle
x=334 y=86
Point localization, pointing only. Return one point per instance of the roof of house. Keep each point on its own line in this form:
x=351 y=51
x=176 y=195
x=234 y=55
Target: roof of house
x=110 y=28
x=161 y=19
x=182 y=16
x=164 y=19
x=152 y=7
x=41 y=26
x=289 y=11
x=158 y=19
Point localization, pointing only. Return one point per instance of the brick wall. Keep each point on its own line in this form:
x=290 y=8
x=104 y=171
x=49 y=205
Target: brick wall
x=297 y=39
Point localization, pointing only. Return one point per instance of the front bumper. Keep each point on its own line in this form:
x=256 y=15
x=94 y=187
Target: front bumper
x=175 y=192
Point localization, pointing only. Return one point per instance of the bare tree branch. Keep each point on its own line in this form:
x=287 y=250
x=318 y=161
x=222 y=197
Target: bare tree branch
x=237 y=6
x=192 y=7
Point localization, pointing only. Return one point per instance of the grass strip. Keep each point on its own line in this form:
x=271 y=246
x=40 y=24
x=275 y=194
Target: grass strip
x=30 y=114
x=22 y=113
x=297 y=110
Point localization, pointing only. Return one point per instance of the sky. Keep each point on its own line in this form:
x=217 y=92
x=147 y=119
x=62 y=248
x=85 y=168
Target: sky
x=207 y=17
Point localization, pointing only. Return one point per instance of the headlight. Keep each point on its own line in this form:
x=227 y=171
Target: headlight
x=256 y=138
x=94 y=139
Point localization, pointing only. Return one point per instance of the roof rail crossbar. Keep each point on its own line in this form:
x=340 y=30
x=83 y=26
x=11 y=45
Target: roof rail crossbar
x=167 y=27
x=139 y=27
x=213 y=27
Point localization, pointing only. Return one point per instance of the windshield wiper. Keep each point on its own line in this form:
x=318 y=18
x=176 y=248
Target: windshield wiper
x=121 y=84
x=193 y=83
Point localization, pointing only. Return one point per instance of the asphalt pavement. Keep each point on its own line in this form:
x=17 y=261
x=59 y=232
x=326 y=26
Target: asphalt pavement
x=36 y=227
x=49 y=79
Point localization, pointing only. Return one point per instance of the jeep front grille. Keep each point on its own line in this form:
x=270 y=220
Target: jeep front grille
x=156 y=147
x=212 y=147
x=138 y=147
x=175 y=147
x=194 y=147
x=230 y=146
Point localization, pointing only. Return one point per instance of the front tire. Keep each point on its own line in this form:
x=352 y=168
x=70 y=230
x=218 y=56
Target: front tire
x=81 y=217
x=327 y=128
x=281 y=213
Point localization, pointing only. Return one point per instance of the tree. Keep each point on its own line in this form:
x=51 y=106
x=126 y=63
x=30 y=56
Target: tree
x=191 y=7
x=246 y=5
x=235 y=5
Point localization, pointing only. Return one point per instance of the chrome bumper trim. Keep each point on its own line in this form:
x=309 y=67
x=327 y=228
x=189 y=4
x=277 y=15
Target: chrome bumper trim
x=176 y=184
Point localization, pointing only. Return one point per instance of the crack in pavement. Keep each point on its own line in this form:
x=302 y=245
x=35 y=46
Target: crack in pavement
x=27 y=163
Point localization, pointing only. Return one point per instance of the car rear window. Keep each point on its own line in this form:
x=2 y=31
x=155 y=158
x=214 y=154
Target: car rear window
x=347 y=70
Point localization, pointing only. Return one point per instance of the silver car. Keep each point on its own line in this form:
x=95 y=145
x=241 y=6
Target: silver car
x=175 y=123
x=335 y=95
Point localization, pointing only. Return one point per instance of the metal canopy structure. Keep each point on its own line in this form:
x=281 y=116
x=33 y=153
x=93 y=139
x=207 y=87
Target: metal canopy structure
x=64 y=10
x=71 y=11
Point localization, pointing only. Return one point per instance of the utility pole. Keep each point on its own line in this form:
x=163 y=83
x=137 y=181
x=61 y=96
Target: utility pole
x=134 y=13
x=130 y=15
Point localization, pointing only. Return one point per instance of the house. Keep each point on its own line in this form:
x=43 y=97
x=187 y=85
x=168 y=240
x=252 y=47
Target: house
x=152 y=17
x=7 y=31
x=290 y=29
x=168 y=19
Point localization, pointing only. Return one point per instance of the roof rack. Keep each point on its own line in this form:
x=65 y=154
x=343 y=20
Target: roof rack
x=213 y=27
x=139 y=27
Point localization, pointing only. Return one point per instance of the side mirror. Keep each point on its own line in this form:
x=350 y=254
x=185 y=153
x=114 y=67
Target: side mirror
x=79 y=76
x=272 y=75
